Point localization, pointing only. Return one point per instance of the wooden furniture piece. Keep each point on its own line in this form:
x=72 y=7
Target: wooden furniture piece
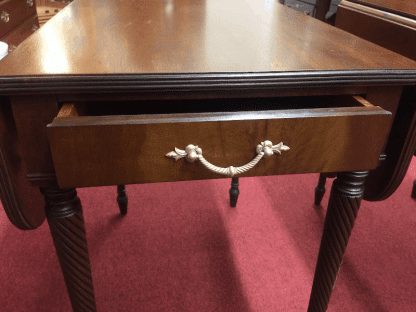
x=320 y=9
x=47 y=9
x=389 y=23
x=18 y=20
x=325 y=11
x=392 y=25
x=161 y=91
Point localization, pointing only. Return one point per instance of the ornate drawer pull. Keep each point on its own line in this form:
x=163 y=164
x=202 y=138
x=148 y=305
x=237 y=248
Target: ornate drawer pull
x=193 y=153
x=4 y=17
x=29 y=3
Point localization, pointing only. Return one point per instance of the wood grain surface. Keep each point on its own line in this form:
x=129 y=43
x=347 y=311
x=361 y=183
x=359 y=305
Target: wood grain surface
x=191 y=45
x=31 y=129
x=125 y=149
x=402 y=7
x=391 y=31
x=375 y=21
x=22 y=202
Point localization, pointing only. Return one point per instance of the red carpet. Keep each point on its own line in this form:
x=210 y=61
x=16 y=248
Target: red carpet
x=182 y=248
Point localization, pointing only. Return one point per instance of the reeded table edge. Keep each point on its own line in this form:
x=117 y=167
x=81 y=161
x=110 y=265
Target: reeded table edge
x=47 y=84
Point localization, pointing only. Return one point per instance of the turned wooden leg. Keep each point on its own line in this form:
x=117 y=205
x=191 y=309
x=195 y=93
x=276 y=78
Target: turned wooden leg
x=122 y=199
x=320 y=189
x=234 y=192
x=414 y=189
x=344 y=201
x=66 y=222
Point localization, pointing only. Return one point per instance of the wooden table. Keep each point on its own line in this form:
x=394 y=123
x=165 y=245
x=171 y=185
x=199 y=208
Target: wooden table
x=112 y=92
x=390 y=24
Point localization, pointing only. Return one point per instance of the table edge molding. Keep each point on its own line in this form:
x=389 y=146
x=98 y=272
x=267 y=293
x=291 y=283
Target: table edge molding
x=202 y=81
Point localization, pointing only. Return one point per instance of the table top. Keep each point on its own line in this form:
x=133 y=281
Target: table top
x=119 y=45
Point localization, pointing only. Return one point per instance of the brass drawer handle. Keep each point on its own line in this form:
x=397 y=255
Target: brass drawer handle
x=5 y=17
x=29 y=3
x=193 y=153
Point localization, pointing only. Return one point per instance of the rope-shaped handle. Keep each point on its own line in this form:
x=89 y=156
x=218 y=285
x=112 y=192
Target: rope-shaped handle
x=193 y=153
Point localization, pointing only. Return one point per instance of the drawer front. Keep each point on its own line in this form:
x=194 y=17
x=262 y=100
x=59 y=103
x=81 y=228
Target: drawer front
x=110 y=150
x=14 y=12
x=18 y=35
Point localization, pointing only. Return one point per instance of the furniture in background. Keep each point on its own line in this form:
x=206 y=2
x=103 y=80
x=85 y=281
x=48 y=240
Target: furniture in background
x=324 y=10
x=47 y=9
x=392 y=25
x=199 y=85
x=18 y=20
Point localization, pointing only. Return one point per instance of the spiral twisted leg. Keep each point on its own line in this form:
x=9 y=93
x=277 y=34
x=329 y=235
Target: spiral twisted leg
x=122 y=199
x=234 y=192
x=346 y=194
x=66 y=222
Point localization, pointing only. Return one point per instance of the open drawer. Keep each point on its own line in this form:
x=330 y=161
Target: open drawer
x=109 y=143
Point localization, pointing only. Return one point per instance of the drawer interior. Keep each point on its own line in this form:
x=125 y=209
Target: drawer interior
x=155 y=107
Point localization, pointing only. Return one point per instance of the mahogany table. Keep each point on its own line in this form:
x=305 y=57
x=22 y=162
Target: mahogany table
x=390 y=24
x=123 y=92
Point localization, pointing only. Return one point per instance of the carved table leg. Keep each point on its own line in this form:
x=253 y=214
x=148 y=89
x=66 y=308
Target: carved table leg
x=122 y=199
x=66 y=222
x=234 y=192
x=346 y=195
x=414 y=189
x=320 y=189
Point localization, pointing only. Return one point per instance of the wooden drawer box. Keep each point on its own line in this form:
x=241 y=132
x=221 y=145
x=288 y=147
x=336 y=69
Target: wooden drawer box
x=127 y=142
x=13 y=12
